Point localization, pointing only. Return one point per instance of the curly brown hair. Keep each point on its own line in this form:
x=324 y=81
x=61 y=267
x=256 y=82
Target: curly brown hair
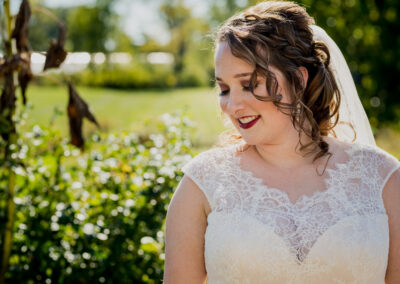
x=278 y=33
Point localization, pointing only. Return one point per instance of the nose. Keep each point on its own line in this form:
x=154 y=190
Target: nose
x=232 y=103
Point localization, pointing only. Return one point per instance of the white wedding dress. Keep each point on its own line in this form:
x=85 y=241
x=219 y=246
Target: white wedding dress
x=255 y=234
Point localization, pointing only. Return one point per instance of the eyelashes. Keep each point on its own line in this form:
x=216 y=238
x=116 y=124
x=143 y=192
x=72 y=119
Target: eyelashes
x=244 y=88
x=223 y=93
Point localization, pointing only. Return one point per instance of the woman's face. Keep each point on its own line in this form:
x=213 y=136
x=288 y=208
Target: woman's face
x=258 y=122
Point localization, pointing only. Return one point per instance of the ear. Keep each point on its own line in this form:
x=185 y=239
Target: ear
x=304 y=73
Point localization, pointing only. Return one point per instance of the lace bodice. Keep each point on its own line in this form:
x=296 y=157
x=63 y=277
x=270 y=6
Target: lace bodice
x=255 y=234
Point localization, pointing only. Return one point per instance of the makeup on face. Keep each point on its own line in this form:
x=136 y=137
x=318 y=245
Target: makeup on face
x=244 y=83
x=258 y=121
x=247 y=122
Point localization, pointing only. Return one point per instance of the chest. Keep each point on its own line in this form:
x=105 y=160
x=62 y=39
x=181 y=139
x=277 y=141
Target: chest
x=304 y=179
x=294 y=183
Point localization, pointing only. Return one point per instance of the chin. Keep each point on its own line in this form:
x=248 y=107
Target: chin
x=252 y=140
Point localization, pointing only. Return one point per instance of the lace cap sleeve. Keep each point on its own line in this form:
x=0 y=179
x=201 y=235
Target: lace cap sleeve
x=387 y=166
x=205 y=170
x=384 y=164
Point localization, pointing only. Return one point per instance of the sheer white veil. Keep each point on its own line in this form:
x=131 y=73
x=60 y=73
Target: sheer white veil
x=351 y=110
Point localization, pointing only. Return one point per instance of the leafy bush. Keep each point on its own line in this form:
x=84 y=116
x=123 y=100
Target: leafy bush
x=95 y=216
x=133 y=76
x=194 y=75
x=142 y=75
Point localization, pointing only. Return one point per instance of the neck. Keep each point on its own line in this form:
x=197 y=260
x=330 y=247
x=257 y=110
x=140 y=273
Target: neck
x=284 y=154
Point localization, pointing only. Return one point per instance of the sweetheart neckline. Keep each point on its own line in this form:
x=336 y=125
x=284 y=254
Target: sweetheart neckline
x=294 y=258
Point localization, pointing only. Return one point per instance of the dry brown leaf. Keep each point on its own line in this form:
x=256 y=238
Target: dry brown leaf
x=25 y=74
x=77 y=110
x=56 y=53
x=7 y=104
x=20 y=32
x=22 y=64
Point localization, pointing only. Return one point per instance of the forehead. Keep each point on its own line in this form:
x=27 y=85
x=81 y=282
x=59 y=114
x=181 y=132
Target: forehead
x=226 y=64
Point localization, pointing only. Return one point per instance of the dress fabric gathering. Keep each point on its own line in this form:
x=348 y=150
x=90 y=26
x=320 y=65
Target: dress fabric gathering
x=255 y=234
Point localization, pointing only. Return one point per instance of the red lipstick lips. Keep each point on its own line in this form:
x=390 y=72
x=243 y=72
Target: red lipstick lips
x=249 y=124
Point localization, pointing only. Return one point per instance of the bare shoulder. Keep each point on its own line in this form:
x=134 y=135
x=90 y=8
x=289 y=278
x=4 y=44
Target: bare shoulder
x=184 y=235
x=189 y=193
x=391 y=198
x=391 y=194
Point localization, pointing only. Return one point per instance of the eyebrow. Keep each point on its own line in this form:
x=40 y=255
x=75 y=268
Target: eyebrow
x=236 y=76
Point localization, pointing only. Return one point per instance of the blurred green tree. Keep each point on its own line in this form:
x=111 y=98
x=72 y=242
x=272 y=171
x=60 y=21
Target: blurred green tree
x=177 y=17
x=90 y=28
x=223 y=9
x=187 y=44
x=42 y=29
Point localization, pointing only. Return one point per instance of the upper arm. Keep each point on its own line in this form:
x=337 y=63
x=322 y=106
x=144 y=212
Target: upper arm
x=391 y=198
x=184 y=242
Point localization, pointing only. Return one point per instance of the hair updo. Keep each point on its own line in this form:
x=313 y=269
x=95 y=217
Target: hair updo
x=279 y=34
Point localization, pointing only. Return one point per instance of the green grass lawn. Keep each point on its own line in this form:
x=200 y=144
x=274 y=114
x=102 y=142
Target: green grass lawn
x=119 y=110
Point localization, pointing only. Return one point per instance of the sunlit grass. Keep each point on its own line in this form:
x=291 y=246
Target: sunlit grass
x=118 y=110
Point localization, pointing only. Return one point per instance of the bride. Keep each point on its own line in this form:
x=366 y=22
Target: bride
x=301 y=194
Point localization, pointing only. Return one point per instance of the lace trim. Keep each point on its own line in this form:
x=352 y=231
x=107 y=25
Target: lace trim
x=303 y=199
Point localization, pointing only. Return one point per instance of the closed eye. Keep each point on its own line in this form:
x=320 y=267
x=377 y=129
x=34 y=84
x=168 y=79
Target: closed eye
x=223 y=92
x=247 y=88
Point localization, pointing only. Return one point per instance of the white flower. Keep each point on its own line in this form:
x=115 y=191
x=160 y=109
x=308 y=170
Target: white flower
x=88 y=229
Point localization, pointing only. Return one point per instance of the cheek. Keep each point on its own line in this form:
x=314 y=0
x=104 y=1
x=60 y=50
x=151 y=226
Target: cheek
x=223 y=102
x=273 y=117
